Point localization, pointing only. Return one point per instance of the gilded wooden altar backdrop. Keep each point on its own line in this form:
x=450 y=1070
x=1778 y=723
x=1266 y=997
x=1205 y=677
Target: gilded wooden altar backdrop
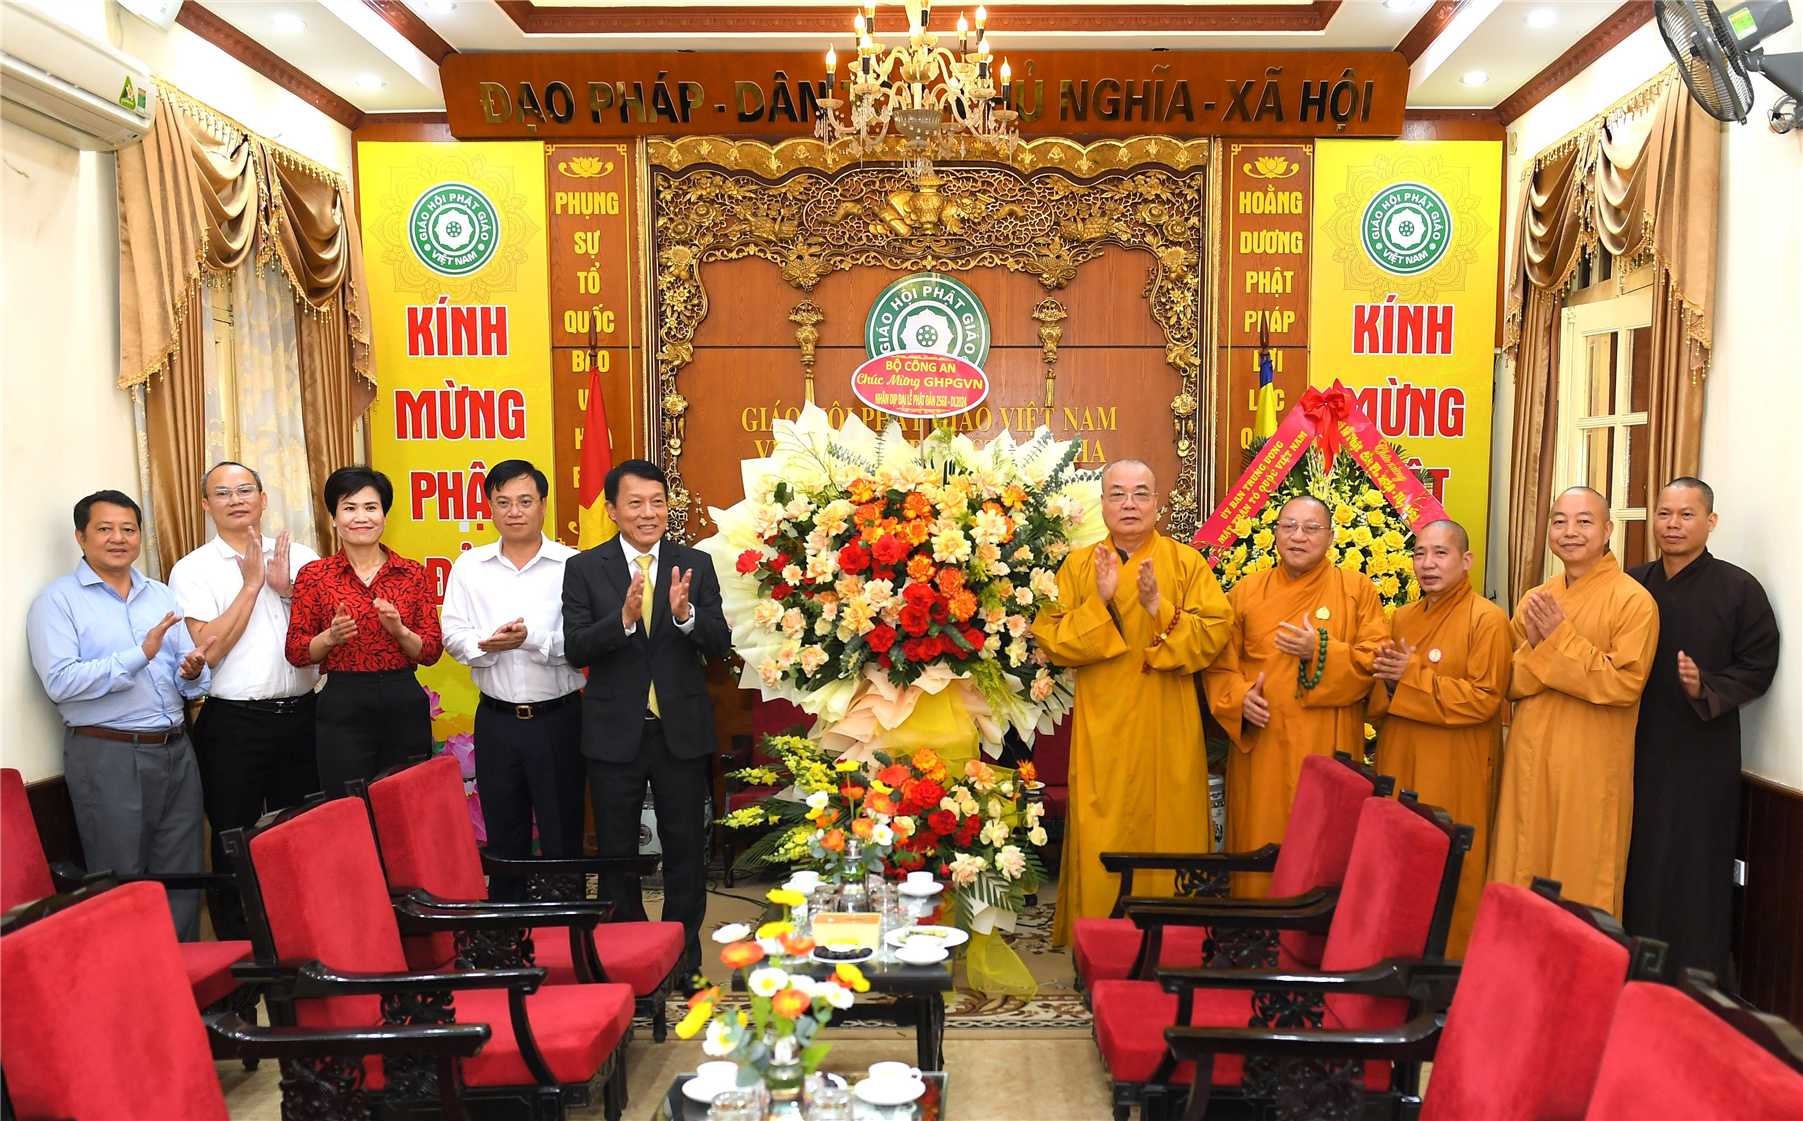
x=1091 y=261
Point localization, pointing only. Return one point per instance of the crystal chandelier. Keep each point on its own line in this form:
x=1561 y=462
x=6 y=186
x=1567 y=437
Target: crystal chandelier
x=939 y=101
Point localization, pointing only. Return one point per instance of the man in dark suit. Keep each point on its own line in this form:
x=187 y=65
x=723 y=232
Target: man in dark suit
x=640 y=612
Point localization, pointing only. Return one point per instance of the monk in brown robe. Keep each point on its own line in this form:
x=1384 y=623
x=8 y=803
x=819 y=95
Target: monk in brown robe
x=1584 y=644
x=1293 y=678
x=1445 y=672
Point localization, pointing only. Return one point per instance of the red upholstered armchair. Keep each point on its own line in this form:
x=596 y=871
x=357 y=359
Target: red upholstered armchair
x=328 y=948
x=768 y=718
x=96 y=1020
x=1396 y=903
x=429 y=853
x=1697 y=1053
x=1310 y=863
x=1052 y=759
x=25 y=875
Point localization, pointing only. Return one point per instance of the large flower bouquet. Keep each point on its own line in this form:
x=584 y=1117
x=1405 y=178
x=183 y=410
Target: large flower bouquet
x=863 y=574
x=1368 y=536
x=971 y=827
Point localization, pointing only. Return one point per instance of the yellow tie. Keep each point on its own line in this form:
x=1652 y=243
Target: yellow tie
x=644 y=563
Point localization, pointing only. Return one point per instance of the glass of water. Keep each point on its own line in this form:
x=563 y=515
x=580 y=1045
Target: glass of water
x=737 y=1105
x=830 y=1103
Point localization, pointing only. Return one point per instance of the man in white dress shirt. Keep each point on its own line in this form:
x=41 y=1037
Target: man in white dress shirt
x=254 y=739
x=503 y=618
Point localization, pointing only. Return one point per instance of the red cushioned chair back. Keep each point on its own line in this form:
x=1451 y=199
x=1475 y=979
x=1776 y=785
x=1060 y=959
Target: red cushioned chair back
x=1386 y=905
x=773 y=718
x=24 y=873
x=1528 y=1021
x=1052 y=754
x=1317 y=843
x=423 y=820
x=1668 y=1056
x=322 y=887
x=96 y=1017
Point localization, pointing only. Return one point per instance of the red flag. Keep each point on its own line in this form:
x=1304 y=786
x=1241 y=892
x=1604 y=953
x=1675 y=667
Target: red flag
x=593 y=526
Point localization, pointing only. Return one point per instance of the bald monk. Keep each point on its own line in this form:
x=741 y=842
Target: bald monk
x=1584 y=644
x=1137 y=618
x=1271 y=689
x=1445 y=671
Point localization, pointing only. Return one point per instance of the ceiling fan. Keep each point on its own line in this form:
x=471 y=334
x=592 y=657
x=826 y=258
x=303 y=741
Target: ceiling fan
x=1717 y=48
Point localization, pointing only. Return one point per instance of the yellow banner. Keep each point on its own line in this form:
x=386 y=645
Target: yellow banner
x=454 y=244
x=1403 y=306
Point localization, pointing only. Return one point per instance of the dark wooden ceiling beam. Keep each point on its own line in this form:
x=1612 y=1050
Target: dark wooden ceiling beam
x=1596 y=43
x=265 y=62
x=1020 y=19
x=414 y=29
x=1428 y=28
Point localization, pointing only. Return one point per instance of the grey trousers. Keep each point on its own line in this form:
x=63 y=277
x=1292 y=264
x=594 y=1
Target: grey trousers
x=138 y=809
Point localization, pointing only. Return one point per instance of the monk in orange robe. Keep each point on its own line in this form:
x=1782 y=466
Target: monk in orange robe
x=1136 y=617
x=1584 y=644
x=1281 y=693
x=1445 y=673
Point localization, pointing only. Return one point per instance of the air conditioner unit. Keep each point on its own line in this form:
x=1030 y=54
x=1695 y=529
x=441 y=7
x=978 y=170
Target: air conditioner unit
x=56 y=81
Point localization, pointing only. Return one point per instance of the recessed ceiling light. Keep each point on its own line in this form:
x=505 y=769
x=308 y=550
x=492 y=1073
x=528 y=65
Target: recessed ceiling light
x=1475 y=78
x=369 y=82
x=1542 y=17
x=288 y=22
x=1399 y=5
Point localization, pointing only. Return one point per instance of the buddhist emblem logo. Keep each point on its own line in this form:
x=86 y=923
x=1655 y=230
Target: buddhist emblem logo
x=1406 y=228
x=928 y=313
x=454 y=229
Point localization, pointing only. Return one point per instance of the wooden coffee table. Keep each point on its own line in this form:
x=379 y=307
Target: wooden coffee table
x=918 y=1003
x=928 y=1107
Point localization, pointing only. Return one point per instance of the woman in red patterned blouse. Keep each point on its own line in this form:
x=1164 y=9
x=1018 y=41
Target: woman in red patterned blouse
x=366 y=617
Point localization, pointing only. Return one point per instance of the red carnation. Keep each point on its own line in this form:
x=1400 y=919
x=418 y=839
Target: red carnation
x=942 y=821
x=854 y=559
x=911 y=649
x=781 y=591
x=927 y=793
x=881 y=638
x=919 y=594
x=909 y=860
x=914 y=619
x=938 y=611
x=931 y=647
x=749 y=561
x=968 y=831
x=884 y=661
x=889 y=549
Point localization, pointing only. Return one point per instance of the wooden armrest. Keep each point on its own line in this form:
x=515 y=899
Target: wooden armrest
x=1258 y=860
x=1386 y=978
x=539 y=912
x=1412 y=1042
x=417 y=918
x=305 y=980
x=1314 y=919
x=1306 y=901
x=570 y=866
x=69 y=877
x=234 y=1038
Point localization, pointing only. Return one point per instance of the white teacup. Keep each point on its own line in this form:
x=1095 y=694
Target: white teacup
x=721 y=1073
x=806 y=879
x=894 y=1071
x=919 y=942
x=920 y=878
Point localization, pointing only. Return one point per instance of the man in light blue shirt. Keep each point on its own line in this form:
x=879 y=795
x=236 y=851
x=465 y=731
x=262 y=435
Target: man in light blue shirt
x=106 y=644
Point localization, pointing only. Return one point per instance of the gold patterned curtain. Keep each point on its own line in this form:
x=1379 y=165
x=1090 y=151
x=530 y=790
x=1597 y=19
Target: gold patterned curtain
x=203 y=195
x=1639 y=179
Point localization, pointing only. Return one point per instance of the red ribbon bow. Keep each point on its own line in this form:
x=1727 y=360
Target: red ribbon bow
x=1328 y=411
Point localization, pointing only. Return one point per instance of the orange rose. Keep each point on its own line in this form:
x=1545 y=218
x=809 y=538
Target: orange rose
x=916 y=532
x=925 y=760
x=963 y=604
x=863 y=827
x=1014 y=495
x=791 y=1003
x=917 y=505
x=950 y=580
x=920 y=567
x=741 y=954
x=834 y=840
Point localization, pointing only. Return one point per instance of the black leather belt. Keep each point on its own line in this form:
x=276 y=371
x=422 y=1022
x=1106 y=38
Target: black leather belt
x=535 y=709
x=286 y=706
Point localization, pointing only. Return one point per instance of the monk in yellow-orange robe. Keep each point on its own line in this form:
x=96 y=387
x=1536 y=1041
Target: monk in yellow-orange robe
x=1138 y=768
x=1584 y=644
x=1445 y=673
x=1256 y=677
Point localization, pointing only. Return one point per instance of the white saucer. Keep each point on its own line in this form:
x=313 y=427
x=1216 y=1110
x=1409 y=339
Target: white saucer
x=951 y=935
x=699 y=1090
x=932 y=955
x=890 y=1091
x=922 y=891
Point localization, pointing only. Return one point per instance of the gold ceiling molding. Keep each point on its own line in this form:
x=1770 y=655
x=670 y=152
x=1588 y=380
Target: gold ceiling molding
x=811 y=212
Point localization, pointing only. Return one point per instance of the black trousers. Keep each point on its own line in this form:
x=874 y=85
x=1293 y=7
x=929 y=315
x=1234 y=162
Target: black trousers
x=252 y=760
x=679 y=790
x=368 y=722
x=526 y=770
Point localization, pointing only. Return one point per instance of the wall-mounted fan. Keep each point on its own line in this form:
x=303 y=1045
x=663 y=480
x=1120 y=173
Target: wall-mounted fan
x=1717 y=47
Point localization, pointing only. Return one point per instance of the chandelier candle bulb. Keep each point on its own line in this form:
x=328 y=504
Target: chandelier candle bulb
x=982 y=18
x=1007 y=86
x=832 y=70
x=963 y=32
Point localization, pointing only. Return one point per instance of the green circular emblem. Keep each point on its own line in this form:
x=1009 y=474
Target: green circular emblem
x=1406 y=228
x=931 y=313
x=454 y=229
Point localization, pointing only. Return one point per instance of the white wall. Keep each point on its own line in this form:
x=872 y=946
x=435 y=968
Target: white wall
x=65 y=427
x=1753 y=403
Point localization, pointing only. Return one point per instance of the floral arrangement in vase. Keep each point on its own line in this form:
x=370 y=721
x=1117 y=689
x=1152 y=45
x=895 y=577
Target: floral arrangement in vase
x=773 y=1039
x=871 y=580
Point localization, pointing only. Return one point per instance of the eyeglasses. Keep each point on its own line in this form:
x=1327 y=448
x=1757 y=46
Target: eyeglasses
x=226 y=494
x=1309 y=529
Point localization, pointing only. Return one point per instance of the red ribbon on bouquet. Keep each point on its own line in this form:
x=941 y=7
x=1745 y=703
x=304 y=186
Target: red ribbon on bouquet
x=1328 y=411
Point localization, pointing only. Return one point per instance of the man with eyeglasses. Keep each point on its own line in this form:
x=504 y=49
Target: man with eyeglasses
x=1137 y=618
x=1294 y=677
x=1445 y=672
x=1584 y=645
x=253 y=739
x=503 y=618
